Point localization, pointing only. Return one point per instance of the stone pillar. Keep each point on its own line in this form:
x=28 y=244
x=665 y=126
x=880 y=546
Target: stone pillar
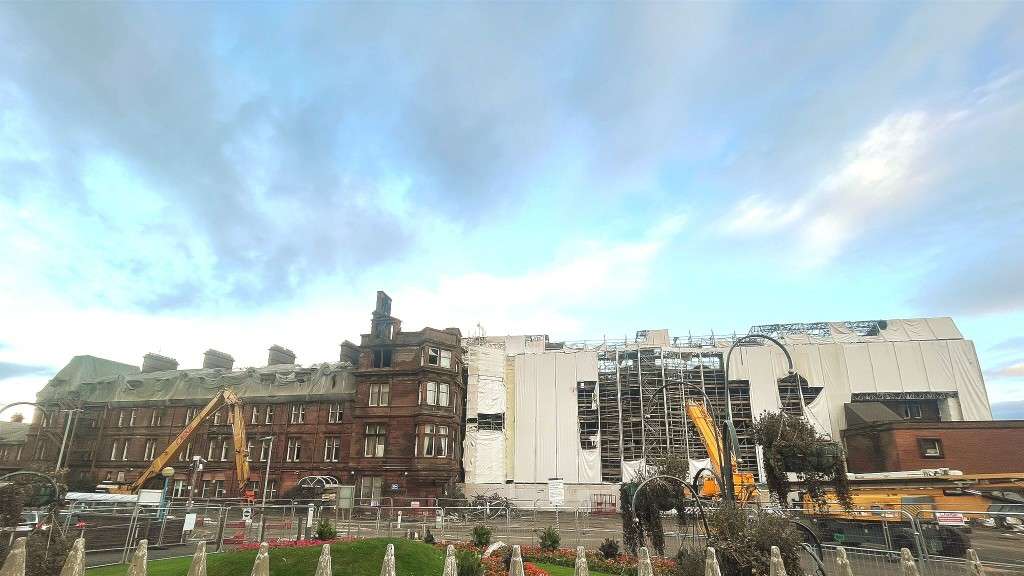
x=323 y=566
x=776 y=567
x=516 y=567
x=451 y=567
x=711 y=567
x=198 y=566
x=75 y=564
x=137 y=565
x=643 y=566
x=581 y=568
x=261 y=567
x=14 y=565
x=907 y=566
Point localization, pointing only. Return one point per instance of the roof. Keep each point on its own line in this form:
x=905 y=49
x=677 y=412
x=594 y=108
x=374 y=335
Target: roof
x=97 y=380
x=944 y=425
x=860 y=413
x=13 y=432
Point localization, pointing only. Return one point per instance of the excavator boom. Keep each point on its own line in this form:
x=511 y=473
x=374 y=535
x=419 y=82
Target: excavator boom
x=226 y=396
x=743 y=481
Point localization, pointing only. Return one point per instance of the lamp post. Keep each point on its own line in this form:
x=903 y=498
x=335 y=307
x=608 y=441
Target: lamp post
x=728 y=429
x=197 y=466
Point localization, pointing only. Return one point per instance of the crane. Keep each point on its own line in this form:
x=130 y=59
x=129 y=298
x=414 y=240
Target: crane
x=744 y=482
x=225 y=397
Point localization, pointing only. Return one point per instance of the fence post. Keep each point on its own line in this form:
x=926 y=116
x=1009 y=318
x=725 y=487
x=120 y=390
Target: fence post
x=388 y=567
x=14 y=565
x=907 y=566
x=451 y=567
x=711 y=567
x=222 y=521
x=75 y=563
x=843 y=562
x=198 y=565
x=516 y=567
x=643 y=567
x=323 y=566
x=261 y=567
x=137 y=567
x=775 y=565
x=581 y=568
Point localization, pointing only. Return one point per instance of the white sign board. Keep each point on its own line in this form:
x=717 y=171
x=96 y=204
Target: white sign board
x=190 y=522
x=309 y=516
x=150 y=497
x=247 y=514
x=556 y=491
x=950 y=518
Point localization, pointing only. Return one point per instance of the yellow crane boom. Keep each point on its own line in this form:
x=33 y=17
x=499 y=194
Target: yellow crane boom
x=234 y=403
x=742 y=481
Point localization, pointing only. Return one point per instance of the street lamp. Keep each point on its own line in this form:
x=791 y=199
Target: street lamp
x=197 y=466
x=266 y=474
x=167 y=473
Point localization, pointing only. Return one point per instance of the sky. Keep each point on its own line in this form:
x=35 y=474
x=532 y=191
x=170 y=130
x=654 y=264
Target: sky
x=177 y=177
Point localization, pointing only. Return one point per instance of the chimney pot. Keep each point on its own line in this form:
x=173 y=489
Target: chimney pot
x=156 y=363
x=217 y=359
x=280 y=355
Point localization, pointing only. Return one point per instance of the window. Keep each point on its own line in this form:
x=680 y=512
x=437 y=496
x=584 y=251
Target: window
x=41 y=450
x=3 y=453
x=249 y=445
x=437 y=393
x=156 y=418
x=186 y=453
x=491 y=421
x=370 y=487
x=150 y=452
x=272 y=489
x=178 y=490
x=439 y=357
x=190 y=414
x=380 y=393
x=218 y=489
x=18 y=455
x=332 y=449
x=216 y=418
x=131 y=417
x=373 y=446
x=912 y=410
x=433 y=441
x=264 y=450
x=334 y=414
x=269 y=419
x=45 y=420
x=930 y=447
x=294 y=453
x=298 y=413
x=255 y=419
x=217 y=450
x=382 y=358
x=120 y=419
x=119 y=450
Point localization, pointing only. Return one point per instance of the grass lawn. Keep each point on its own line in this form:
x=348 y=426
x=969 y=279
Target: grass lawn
x=359 y=558
x=556 y=570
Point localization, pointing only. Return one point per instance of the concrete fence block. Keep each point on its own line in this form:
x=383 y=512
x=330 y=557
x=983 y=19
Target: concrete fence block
x=711 y=567
x=843 y=567
x=516 y=567
x=261 y=567
x=14 y=565
x=75 y=563
x=198 y=565
x=387 y=568
x=776 y=567
x=907 y=565
x=643 y=566
x=323 y=565
x=974 y=567
x=451 y=567
x=137 y=566
x=581 y=568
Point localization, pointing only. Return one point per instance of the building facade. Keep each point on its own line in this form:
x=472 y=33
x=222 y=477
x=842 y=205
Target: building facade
x=385 y=418
x=971 y=447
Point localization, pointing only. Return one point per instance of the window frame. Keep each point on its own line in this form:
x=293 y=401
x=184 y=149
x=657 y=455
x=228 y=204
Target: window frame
x=378 y=434
x=293 y=452
x=923 y=445
x=380 y=394
x=332 y=449
x=334 y=413
x=298 y=414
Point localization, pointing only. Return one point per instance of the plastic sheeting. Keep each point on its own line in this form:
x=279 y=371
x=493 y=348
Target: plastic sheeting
x=483 y=455
x=547 y=435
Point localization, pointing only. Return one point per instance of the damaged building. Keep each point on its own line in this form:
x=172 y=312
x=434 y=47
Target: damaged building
x=386 y=417
x=591 y=413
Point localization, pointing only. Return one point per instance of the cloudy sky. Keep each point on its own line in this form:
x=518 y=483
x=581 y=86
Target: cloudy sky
x=180 y=177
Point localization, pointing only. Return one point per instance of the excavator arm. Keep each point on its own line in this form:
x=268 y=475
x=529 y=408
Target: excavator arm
x=226 y=396
x=709 y=434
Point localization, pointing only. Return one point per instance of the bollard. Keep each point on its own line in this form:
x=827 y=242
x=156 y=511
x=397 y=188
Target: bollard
x=451 y=567
x=137 y=565
x=843 y=566
x=907 y=566
x=75 y=564
x=261 y=567
x=974 y=566
x=643 y=567
x=516 y=567
x=387 y=568
x=323 y=566
x=14 y=565
x=581 y=568
x=198 y=565
x=775 y=565
x=711 y=567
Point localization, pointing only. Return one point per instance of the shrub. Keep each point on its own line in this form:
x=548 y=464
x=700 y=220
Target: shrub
x=326 y=531
x=469 y=563
x=481 y=535
x=549 y=539
x=609 y=549
x=46 y=552
x=429 y=537
x=743 y=540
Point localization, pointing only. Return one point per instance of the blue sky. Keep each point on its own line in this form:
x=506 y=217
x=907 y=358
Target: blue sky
x=180 y=177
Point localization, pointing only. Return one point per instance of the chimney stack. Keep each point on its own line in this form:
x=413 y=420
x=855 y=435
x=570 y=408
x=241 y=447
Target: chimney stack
x=156 y=363
x=280 y=355
x=217 y=359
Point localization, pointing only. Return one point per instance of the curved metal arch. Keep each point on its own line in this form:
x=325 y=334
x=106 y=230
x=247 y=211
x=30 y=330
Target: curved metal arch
x=314 y=481
x=696 y=498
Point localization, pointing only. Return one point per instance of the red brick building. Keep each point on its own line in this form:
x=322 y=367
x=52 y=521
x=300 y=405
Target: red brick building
x=387 y=417
x=973 y=447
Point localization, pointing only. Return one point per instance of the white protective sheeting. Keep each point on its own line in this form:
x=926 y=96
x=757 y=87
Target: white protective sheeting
x=548 y=445
x=969 y=382
x=631 y=467
x=490 y=461
x=912 y=373
x=858 y=367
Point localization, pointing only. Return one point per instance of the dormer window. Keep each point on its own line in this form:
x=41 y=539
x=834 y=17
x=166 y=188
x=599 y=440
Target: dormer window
x=382 y=358
x=439 y=357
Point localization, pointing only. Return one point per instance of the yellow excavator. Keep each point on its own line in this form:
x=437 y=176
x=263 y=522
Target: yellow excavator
x=743 y=482
x=226 y=397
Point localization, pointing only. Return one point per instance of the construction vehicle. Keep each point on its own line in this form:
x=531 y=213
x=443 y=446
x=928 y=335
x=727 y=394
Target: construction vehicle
x=710 y=486
x=226 y=397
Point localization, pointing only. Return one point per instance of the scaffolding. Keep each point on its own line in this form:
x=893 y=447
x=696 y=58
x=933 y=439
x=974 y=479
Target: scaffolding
x=641 y=405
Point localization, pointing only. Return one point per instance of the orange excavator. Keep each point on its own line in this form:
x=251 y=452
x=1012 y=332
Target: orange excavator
x=226 y=397
x=743 y=482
